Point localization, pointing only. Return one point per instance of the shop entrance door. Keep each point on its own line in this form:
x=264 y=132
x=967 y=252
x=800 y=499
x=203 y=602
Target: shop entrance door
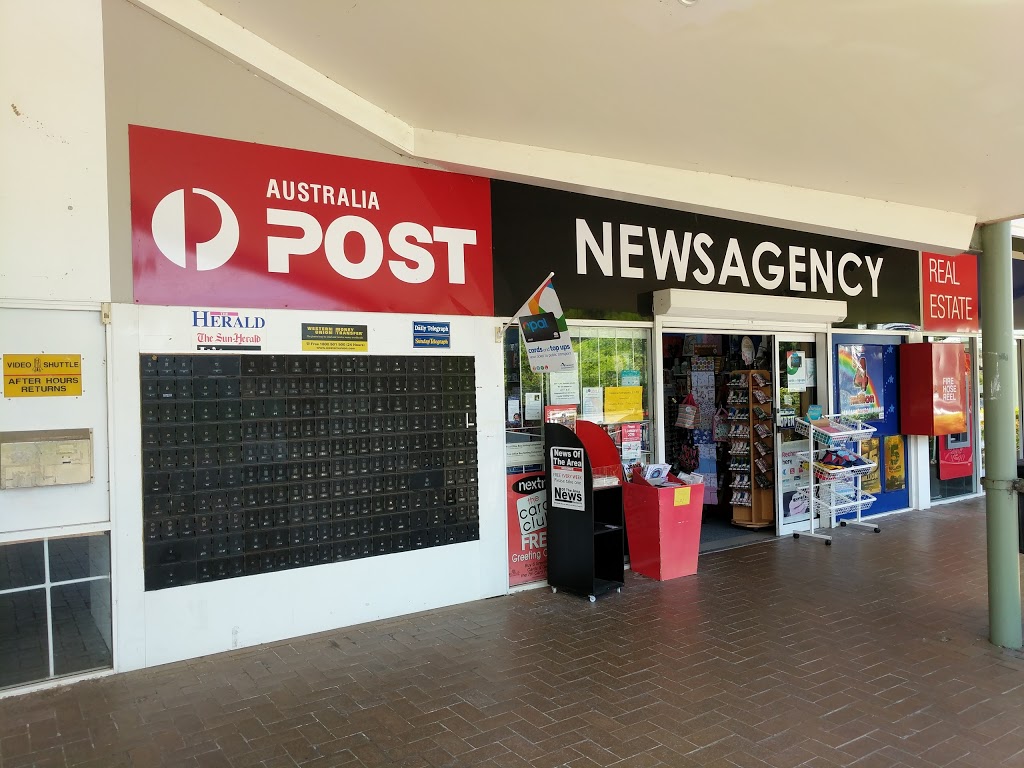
x=799 y=370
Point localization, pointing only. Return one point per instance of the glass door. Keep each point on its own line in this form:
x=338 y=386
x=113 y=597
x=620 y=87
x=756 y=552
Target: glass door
x=798 y=369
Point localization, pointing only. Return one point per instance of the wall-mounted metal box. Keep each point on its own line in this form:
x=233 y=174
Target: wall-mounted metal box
x=45 y=457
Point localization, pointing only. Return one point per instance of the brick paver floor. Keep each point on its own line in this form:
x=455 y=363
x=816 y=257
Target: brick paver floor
x=871 y=652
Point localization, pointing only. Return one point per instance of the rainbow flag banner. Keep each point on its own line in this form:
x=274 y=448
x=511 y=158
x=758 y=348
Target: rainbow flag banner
x=542 y=321
x=860 y=381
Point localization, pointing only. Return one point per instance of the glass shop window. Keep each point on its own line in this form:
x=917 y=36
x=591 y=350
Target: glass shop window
x=55 y=610
x=610 y=387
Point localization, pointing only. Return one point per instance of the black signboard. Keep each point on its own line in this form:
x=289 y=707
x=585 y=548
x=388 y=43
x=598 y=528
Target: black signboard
x=609 y=256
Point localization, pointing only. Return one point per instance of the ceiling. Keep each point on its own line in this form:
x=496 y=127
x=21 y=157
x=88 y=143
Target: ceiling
x=919 y=102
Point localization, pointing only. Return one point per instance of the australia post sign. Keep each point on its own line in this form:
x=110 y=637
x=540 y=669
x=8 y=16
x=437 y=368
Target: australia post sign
x=229 y=223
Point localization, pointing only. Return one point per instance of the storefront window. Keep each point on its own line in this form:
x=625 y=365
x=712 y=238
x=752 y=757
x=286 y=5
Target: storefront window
x=611 y=387
x=951 y=458
x=55 y=612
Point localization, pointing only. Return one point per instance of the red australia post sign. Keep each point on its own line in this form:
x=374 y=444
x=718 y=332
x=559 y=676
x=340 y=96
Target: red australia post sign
x=229 y=223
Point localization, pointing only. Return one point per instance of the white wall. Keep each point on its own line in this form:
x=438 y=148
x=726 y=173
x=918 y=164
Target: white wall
x=184 y=622
x=161 y=77
x=53 y=172
x=75 y=332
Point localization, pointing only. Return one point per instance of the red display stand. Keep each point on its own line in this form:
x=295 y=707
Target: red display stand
x=663 y=527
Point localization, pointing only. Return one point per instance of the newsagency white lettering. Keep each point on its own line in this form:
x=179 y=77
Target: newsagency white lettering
x=796 y=268
x=326 y=194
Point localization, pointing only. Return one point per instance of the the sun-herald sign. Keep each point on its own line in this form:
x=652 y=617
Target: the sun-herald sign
x=229 y=223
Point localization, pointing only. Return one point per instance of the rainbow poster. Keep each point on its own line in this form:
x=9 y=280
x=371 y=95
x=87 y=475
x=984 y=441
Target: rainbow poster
x=861 y=391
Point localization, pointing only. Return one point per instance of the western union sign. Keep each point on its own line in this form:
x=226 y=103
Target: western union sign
x=42 y=375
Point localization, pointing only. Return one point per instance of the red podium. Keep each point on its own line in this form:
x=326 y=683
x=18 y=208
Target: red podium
x=662 y=527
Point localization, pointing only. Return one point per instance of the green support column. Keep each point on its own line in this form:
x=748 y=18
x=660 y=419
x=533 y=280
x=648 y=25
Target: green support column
x=1000 y=398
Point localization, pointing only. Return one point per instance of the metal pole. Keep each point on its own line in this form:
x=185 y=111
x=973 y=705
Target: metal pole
x=1000 y=370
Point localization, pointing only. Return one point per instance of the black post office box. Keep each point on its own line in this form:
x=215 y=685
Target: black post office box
x=149 y=366
x=152 y=530
x=228 y=388
x=216 y=365
x=251 y=365
x=174 y=575
x=207 y=478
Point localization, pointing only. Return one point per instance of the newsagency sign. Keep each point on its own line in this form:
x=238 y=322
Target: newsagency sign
x=608 y=255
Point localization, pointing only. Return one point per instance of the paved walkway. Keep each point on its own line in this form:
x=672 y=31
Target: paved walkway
x=871 y=652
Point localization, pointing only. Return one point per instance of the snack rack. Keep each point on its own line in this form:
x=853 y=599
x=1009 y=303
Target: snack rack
x=841 y=485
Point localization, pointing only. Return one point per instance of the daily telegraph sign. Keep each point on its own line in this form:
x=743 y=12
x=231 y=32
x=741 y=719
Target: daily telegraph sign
x=230 y=223
x=605 y=253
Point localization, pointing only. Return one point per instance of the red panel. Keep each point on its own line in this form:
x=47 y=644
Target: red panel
x=229 y=223
x=604 y=456
x=933 y=400
x=949 y=293
x=664 y=538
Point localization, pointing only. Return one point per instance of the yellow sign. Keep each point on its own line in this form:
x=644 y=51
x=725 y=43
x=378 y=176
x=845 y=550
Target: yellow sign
x=623 y=404
x=895 y=470
x=681 y=496
x=872 y=482
x=335 y=338
x=42 y=375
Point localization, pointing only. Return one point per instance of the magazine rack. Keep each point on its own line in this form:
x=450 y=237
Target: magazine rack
x=585 y=522
x=835 y=490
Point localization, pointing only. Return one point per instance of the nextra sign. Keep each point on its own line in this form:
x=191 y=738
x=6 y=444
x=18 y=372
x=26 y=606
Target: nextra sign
x=231 y=223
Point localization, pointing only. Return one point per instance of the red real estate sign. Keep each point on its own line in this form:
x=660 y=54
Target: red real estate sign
x=949 y=286
x=229 y=223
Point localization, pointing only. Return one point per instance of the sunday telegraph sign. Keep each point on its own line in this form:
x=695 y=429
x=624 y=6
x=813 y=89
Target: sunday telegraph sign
x=230 y=223
x=605 y=253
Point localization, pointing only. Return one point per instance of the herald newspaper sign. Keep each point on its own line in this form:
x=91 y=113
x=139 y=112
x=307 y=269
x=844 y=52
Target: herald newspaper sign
x=230 y=223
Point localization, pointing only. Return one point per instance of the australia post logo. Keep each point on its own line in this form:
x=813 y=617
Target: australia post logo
x=232 y=223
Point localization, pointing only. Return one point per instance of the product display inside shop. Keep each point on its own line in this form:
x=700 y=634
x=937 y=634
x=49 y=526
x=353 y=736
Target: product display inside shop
x=719 y=423
x=258 y=463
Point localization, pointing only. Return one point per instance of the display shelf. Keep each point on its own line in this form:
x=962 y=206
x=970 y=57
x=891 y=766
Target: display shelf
x=825 y=473
x=831 y=432
x=751 y=394
x=834 y=430
x=841 y=502
x=586 y=534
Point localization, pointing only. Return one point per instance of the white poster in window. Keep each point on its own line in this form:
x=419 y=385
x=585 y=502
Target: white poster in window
x=524 y=454
x=593 y=404
x=567 y=478
x=564 y=388
x=793 y=476
x=514 y=415
x=800 y=371
x=533 y=409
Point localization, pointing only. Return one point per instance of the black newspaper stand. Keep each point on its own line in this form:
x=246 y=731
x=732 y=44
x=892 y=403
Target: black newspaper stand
x=585 y=524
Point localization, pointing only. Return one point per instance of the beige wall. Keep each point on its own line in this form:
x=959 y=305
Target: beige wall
x=161 y=77
x=53 y=205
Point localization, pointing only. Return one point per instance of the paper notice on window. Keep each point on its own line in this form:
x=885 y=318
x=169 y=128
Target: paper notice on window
x=564 y=388
x=593 y=404
x=623 y=404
